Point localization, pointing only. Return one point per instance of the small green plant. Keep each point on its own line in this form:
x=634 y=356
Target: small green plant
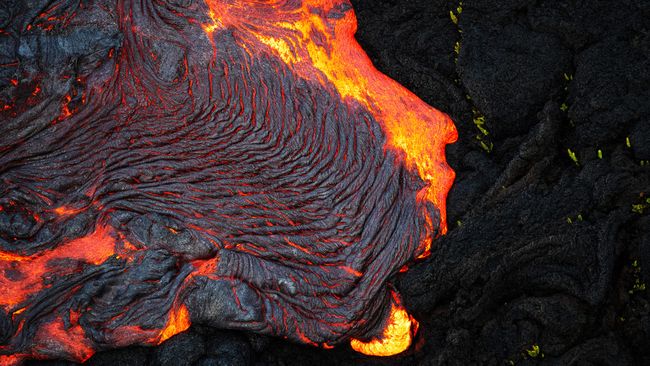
x=453 y=17
x=600 y=154
x=486 y=146
x=569 y=220
x=638 y=284
x=638 y=208
x=573 y=156
x=534 y=351
x=567 y=80
x=479 y=122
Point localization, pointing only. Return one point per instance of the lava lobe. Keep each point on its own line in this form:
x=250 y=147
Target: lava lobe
x=235 y=163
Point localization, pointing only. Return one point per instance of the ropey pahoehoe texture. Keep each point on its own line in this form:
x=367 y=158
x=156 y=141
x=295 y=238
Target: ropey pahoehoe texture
x=233 y=164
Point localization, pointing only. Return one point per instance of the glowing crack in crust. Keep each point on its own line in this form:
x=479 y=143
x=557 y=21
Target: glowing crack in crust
x=235 y=163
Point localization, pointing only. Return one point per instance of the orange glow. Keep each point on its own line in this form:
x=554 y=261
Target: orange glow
x=65 y=109
x=323 y=49
x=72 y=339
x=65 y=211
x=205 y=267
x=18 y=312
x=179 y=321
x=127 y=335
x=9 y=257
x=396 y=336
x=415 y=131
x=316 y=39
x=94 y=248
x=11 y=360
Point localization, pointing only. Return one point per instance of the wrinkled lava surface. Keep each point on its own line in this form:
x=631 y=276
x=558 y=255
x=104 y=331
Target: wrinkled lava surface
x=233 y=164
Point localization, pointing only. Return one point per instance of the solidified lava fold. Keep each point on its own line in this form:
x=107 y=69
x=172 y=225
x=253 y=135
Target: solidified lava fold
x=238 y=164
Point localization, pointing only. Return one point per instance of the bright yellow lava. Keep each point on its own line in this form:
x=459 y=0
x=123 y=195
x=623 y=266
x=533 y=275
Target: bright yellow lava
x=322 y=48
x=179 y=321
x=396 y=337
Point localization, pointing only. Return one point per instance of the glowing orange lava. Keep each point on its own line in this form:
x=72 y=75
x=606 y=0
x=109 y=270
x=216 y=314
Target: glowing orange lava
x=179 y=321
x=92 y=249
x=324 y=50
x=334 y=271
x=396 y=337
x=413 y=128
x=71 y=340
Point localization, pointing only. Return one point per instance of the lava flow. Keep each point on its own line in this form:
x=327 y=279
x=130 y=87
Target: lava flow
x=235 y=163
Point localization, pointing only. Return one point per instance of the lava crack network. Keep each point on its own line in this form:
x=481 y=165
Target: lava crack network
x=234 y=163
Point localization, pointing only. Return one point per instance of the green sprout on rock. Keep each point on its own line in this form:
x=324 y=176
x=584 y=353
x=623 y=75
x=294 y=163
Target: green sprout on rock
x=534 y=351
x=454 y=17
x=578 y=218
x=638 y=208
x=479 y=122
x=638 y=284
x=573 y=156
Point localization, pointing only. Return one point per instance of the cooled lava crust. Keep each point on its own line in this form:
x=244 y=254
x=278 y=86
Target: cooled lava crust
x=238 y=164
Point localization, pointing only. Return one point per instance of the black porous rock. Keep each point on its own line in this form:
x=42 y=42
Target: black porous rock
x=183 y=350
x=129 y=356
x=509 y=71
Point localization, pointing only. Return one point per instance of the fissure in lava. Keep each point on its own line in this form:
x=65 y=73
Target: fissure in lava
x=239 y=164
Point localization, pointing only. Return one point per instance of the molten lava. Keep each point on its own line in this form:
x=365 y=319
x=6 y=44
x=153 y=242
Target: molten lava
x=239 y=164
x=396 y=336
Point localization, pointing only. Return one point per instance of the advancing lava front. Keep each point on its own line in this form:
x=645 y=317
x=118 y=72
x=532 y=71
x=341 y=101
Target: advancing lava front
x=234 y=163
